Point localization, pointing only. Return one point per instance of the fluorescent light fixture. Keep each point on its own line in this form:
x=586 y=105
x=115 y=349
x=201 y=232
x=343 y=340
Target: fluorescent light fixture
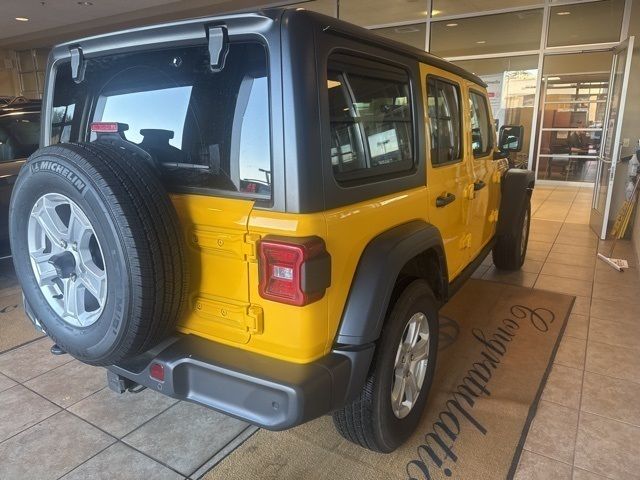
x=22 y=19
x=481 y=42
x=553 y=79
x=452 y=24
x=434 y=12
x=563 y=13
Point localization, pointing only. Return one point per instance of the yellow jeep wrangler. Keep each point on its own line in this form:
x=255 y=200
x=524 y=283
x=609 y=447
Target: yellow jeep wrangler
x=262 y=213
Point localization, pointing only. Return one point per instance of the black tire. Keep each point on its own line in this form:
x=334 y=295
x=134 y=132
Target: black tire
x=510 y=249
x=142 y=246
x=370 y=421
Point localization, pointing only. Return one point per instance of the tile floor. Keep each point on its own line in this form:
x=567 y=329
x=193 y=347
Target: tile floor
x=57 y=419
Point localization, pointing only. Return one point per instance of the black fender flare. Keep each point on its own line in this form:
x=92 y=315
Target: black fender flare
x=517 y=185
x=375 y=278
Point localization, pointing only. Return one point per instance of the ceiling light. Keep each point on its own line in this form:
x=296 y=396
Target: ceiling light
x=553 y=79
x=452 y=24
x=481 y=42
x=85 y=4
x=22 y=19
x=435 y=12
x=563 y=13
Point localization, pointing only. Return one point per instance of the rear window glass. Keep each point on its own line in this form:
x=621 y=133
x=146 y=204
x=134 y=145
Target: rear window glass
x=19 y=135
x=205 y=130
x=371 y=125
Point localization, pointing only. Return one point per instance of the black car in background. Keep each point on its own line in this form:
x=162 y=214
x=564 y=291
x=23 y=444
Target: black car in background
x=19 y=138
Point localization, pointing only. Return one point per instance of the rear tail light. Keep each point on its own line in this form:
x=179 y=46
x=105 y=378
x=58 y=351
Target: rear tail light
x=109 y=127
x=296 y=271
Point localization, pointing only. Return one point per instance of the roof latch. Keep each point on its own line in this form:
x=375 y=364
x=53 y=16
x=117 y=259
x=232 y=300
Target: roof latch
x=218 y=46
x=78 y=65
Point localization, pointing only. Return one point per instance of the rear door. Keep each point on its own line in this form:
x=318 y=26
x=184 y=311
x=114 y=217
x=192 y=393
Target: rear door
x=480 y=141
x=448 y=177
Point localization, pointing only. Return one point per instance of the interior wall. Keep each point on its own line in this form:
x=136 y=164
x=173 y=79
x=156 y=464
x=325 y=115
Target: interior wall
x=9 y=84
x=631 y=125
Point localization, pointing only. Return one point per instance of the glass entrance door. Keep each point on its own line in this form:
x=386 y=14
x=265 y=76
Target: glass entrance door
x=611 y=148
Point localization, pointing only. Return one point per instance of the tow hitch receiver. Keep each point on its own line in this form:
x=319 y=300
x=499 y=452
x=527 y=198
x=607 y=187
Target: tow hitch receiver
x=120 y=384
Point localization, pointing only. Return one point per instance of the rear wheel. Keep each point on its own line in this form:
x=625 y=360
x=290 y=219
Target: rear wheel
x=510 y=249
x=390 y=405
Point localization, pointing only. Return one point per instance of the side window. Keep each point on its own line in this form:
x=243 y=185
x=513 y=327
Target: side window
x=370 y=119
x=481 y=131
x=443 y=99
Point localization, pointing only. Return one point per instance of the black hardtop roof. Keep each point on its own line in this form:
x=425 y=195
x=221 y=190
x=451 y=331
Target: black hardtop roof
x=292 y=15
x=363 y=34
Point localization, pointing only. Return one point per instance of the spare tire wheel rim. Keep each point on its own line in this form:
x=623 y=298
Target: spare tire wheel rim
x=410 y=368
x=67 y=260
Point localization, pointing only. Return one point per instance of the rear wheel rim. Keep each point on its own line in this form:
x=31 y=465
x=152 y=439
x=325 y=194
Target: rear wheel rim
x=410 y=367
x=67 y=260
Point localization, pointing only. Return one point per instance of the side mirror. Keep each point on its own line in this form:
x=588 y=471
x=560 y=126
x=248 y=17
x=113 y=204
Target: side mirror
x=511 y=138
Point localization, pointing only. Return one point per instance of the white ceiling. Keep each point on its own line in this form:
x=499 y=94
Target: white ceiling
x=48 y=14
x=53 y=21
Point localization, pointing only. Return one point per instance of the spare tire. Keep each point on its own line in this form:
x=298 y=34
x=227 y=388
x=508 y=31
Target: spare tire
x=98 y=250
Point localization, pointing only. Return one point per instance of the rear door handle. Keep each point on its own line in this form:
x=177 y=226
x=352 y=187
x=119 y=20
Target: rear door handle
x=479 y=185
x=444 y=200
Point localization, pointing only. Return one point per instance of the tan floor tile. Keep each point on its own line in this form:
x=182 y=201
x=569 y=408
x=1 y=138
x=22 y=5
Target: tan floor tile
x=519 y=277
x=573 y=249
x=537 y=255
x=532 y=266
x=569 y=286
x=577 y=326
x=615 y=333
x=6 y=382
x=612 y=310
x=567 y=271
x=607 y=447
x=31 y=360
x=579 y=474
x=571 y=353
x=202 y=434
x=620 y=293
x=20 y=408
x=108 y=465
x=69 y=383
x=51 y=448
x=563 y=386
x=553 y=432
x=578 y=240
x=581 y=306
x=120 y=414
x=542 y=236
x=611 y=398
x=617 y=362
x=605 y=274
x=539 y=246
x=537 y=467
x=572 y=259
x=545 y=225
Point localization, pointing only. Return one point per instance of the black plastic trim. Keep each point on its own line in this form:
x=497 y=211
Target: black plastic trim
x=517 y=185
x=267 y=392
x=376 y=275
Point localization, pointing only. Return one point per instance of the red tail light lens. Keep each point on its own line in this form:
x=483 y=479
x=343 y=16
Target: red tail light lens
x=104 y=127
x=296 y=271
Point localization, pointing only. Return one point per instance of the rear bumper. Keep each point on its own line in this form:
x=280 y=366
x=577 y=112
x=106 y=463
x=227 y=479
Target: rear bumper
x=267 y=392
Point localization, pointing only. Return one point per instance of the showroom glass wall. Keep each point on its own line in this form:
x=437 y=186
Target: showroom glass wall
x=546 y=63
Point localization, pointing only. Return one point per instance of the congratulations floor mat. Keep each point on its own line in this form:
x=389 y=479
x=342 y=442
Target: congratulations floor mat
x=497 y=344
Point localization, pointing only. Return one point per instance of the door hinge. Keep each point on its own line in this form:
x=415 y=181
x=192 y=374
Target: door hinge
x=250 y=247
x=255 y=319
x=493 y=216
x=497 y=176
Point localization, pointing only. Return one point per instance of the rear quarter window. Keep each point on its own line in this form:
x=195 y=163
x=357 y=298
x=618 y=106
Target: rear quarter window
x=371 y=125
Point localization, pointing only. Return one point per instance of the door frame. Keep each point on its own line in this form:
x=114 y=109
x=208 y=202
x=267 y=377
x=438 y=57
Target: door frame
x=617 y=146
